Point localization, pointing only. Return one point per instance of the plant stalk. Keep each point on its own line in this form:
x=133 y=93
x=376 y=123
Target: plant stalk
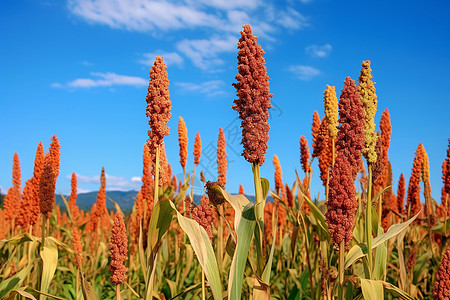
x=156 y=183
x=118 y=296
x=341 y=269
x=369 y=220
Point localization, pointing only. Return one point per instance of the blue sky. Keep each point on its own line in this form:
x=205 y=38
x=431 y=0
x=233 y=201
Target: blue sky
x=79 y=69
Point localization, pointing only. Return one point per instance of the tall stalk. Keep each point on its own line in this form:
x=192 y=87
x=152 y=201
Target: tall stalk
x=156 y=183
x=341 y=269
x=369 y=220
x=259 y=211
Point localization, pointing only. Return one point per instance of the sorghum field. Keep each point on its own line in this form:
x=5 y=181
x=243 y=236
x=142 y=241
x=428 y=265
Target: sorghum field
x=287 y=244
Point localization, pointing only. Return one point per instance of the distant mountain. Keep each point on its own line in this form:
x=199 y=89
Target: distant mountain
x=86 y=200
x=124 y=199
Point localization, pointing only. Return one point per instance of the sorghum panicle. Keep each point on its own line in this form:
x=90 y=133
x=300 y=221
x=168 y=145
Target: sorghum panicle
x=183 y=142
x=441 y=289
x=197 y=149
x=253 y=94
x=222 y=158
x=118 y=247
x=341 y=202
x=331 y=110
x=47 y=190
x=369 y=100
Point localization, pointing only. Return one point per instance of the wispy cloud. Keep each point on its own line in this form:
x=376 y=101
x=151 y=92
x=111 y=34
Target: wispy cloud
x=161 y=15
x=103 y=80
x=170 y=58
x=204 y=53
x=113 y=183
x=319 y=51
x=87 y=63
x=210 y=88
x=304 y=72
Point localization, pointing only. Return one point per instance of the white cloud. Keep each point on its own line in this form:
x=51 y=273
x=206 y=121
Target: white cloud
x=204 y=53
x=319 y=51
x=291 y=19
x=113 y=183
x=170 y=58
x=158 y=16
x=210 y=88
x=306 y=1
x=83 y=191
x=304 y=72
x=141 y=15
x=87 y=63
x=102 y=80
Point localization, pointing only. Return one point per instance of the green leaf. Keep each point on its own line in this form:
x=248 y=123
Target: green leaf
x=372 y=289
x=317 y=214
x=205 y=253
x=238 y=202
x=380 y=259
x=244 y=237
x=159 y=222
x=266 y=274
x=10 y=284
x=49 y=257
x=265 y=187
x=360 y=250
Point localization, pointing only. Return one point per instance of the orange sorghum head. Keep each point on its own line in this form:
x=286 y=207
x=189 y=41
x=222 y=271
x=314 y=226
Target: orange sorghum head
x=183 y=142
x=241 y=190
x=341 y=202
x=315 y=133
x=47 y=190
x=413 y=193
x=221 y=158
x=253 y=102
x=197 y=149
x=76 y=242
x=278 y=175
x=203 y=215
x=441 y=289
x=118 y=246
x=401 y=194
x=54 y=153
x=73 y=198
x=158 y=103
x=350 y=138
x=304 y=154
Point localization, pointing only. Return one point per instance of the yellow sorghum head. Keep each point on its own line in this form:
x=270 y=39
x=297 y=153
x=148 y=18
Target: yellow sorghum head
x=369 y=100
x=331 y=110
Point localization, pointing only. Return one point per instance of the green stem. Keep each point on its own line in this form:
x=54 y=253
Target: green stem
x=156 y=183
x=192 y=187
x=341 y=269
x=369 y=220
x=308 y=259
x=219 y=249
x=44 y=221
x=259 y=211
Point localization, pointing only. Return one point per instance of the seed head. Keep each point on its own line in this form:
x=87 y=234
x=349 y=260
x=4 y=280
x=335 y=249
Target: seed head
x=331 y=110
x=441 y=289
x=118 y=246
x=197 y=149
x=401 y=194
x=413 y=193
x=76 y=242
x=369 y=100
x=54 y=153
x=203 y=215
x=253 y=100
x=222 y=158
x=341 y=202
x=350 y=138
x=183 y=142
x=304 y=155
x=158 y=103
x=278 y=175
x=74 y=210
x=47 y=190
x=315 y=133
